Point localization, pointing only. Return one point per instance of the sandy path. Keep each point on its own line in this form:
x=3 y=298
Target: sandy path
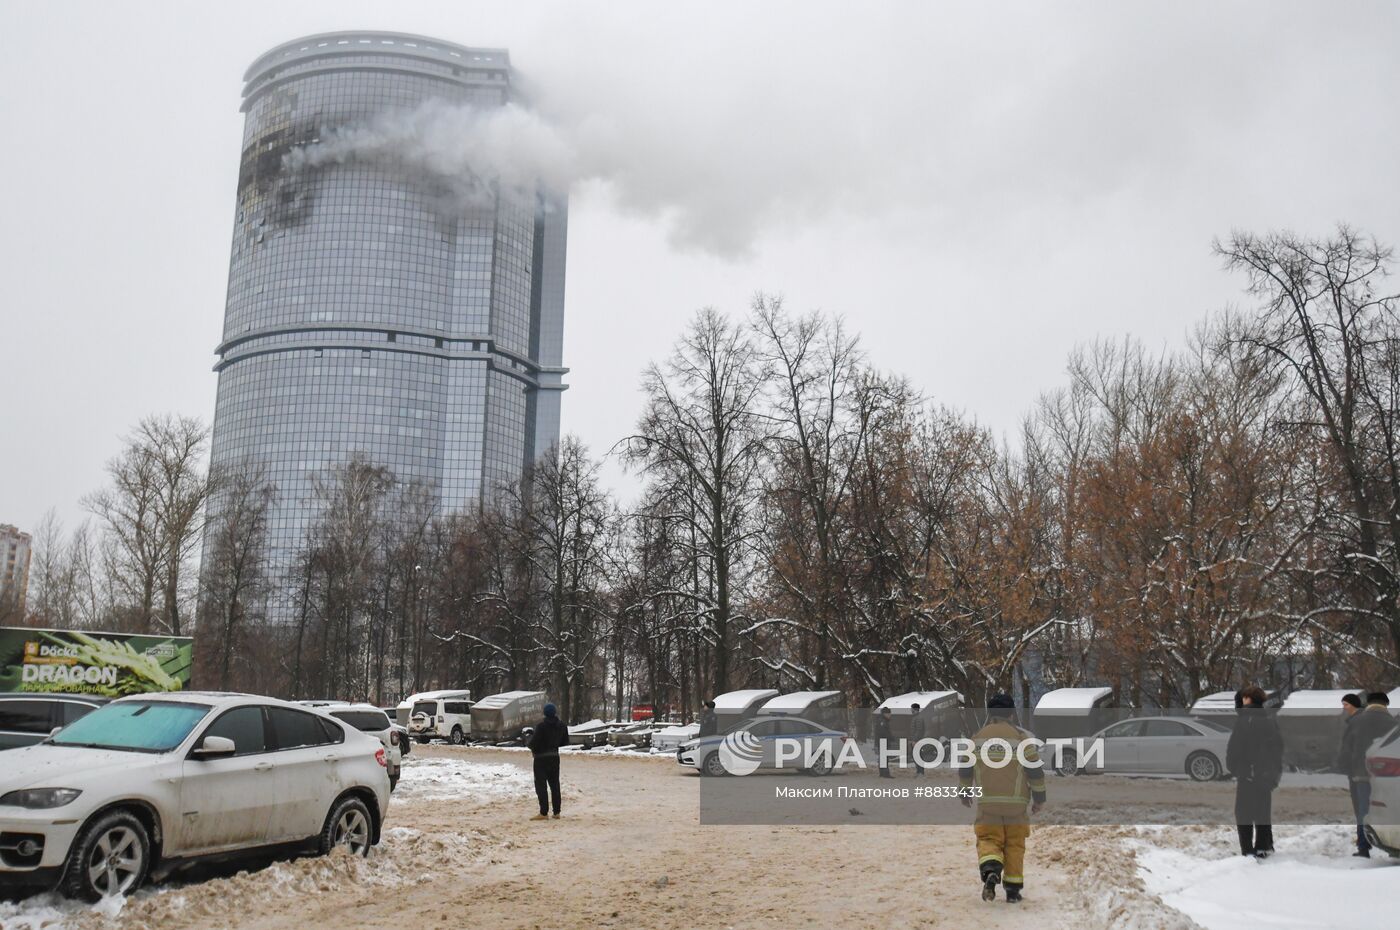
x=630 y=853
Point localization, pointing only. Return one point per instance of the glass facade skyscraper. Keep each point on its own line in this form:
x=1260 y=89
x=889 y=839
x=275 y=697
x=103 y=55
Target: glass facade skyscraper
x=368 y=311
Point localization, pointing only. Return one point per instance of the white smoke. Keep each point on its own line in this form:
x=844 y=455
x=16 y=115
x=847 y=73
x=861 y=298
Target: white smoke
x=465 y=150
x=694 y=187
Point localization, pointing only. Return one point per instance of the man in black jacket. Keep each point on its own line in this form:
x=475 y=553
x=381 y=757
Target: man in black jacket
x=882 y=740
x=916 y=733
x=544 y=744
x=709 y=723
x=1362 y=729
x=1254 y=756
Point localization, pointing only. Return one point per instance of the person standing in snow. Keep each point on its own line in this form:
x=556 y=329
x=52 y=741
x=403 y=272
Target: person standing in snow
x=916 y=733
x=1254 y=756
x=882 y=741
x=544 y=745
x=1362 y=728
x=1007 y=788
x=709 y=723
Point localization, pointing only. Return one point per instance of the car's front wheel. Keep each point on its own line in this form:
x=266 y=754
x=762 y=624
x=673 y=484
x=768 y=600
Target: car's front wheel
x=1068 y=763
x=821 y=766
x=713 y=766
x=1202 y=766
x=110 y=857
x=349 y=826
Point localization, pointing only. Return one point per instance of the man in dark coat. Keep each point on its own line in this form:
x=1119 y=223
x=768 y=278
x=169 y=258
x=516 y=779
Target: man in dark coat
x=1362 y=728
x=544 y=745
x=882 y=740
x=917 y=730
x=1254 y=756
x=709 y=723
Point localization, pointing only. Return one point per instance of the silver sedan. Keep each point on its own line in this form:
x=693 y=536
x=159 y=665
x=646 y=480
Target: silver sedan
x=1158 y=746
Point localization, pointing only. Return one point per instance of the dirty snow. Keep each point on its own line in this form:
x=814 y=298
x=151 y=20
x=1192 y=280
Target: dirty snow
x=436 y=778
x=1311 y=882
x=404 y=857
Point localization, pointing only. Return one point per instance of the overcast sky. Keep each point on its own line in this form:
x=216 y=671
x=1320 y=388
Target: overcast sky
x=976 y=190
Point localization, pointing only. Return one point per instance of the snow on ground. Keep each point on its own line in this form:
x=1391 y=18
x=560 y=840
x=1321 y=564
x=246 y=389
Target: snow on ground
x=404 y=857
x=436 y=778
x=46 y=911
x=1311 y=882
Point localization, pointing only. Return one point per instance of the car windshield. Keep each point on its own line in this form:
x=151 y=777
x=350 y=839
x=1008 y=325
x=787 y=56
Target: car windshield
x=134 y=726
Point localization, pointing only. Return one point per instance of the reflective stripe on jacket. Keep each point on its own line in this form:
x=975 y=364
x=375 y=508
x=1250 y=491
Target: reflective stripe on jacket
x=1006 y=789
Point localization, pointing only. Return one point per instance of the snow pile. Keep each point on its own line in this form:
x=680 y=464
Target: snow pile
x=1311 y=881
x=41 y=912
x=1109 y=892
x=445 y=778
x=404 y=858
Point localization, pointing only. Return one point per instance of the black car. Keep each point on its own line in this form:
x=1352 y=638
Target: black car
x=26 y=719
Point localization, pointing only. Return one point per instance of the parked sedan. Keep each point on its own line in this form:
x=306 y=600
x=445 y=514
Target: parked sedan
x=1383 y=819
x=150 y=782
x=26 y=719
x=753 y=744
x=1157 y=746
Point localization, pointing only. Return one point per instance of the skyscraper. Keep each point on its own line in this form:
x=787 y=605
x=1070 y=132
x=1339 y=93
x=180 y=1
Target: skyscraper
x=370 y=310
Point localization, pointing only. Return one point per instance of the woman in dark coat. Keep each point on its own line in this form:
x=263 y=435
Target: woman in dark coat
x=1254 y=756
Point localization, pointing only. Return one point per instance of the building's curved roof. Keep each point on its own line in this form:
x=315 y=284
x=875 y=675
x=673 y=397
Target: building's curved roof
x=392 y=43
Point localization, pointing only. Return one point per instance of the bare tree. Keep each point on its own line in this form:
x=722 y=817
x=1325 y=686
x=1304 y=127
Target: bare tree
x=152 y=512
x=817 y=439
x=703 y=427
x=235 y=577
x=1326 y=318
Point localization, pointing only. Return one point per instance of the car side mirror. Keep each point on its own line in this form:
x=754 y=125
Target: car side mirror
x=214 y=747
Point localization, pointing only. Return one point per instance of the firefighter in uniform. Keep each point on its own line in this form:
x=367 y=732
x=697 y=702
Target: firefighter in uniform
x=1002 y=824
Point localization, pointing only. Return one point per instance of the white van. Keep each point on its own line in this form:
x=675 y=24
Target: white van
x=441 y=715
x=404 y=710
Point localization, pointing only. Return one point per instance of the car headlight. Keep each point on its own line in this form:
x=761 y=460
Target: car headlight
x=40 y=798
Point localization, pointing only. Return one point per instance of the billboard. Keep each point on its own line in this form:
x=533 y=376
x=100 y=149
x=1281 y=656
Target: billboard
x=106 y=664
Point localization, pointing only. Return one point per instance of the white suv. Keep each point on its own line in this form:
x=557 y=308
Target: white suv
x=150 y=782
x=371 y=720
x=1383 y=820
x=448 y=718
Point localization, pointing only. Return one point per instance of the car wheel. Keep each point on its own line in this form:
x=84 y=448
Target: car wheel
x=348 y=825
x=820 y=767
x=713 y=766
x=457 y=737
x=110 y=857
x=1202 y=766
x=1069 y=763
